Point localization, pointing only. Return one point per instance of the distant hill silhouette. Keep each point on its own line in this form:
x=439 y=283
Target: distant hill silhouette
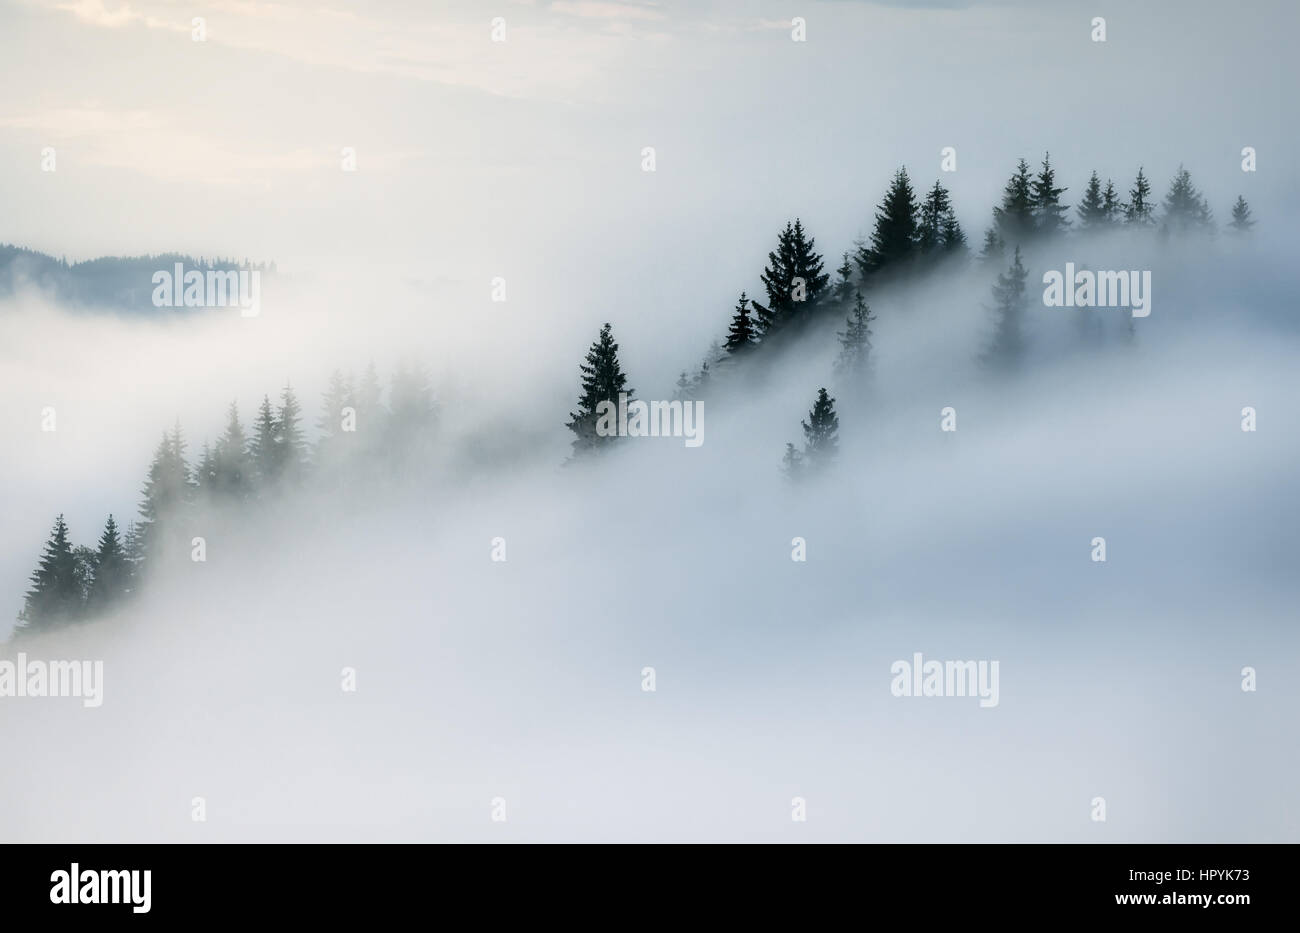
x=109 y=282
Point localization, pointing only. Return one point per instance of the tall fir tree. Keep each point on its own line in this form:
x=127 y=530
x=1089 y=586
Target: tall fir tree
x=112 y=580
x=1139 y=211
x=742 y=336
x=855 y=342
x=167 y=491
x=1092 y=208
x=602 y=381
x=1111 y=208
x=1185 y=209
x=263 y=449
x=793 y=279
x=1014 y=218
x=821 y=434
x=1050 y=215
x=1007 y=350
x=994 y=247
x=234 y=466
x=55 y=597
x=938 y=232
x=1241 y=219
x=843 y=289
x=954 y=239
x=894 y=239
x=291 y=444
x=205 y=473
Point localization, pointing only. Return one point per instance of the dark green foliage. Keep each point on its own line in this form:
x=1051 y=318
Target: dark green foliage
x=1051 y=216
x=843 y=289
x=821 y=434
x=602 y=381
x=855 y=342
x=1092 y=208
x=742 y=335
x=112 y=571
x=1241 y=219
x=55 y=597
x=938 y=232
x=233 y=467
x=1139 y=212
x=1185 y=208
x=794 y=280
x=894 y=239
x=1014 y=218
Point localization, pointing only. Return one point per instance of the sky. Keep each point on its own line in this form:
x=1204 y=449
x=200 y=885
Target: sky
x=523 y=159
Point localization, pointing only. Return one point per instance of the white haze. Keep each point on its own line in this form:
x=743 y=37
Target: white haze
x=521 y=679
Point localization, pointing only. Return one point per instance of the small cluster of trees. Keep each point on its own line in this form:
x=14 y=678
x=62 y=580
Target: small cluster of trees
x=357 y=433
x=1032 y=209
x=910 y=235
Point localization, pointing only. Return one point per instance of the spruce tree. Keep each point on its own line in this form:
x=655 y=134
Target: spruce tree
x=741 y=337
x=894 y=239
x=1241 y=219
x=954 y=240
x=935 y=209
x=1051 y=216
x=855 y=341
x=112 y=579
x=1092 y=208
x=1111 y=208
x=291 y=445
x=1007 y=350
x=262 y=449
x=1014 y=217
x=1185 y=209
x=793 y=279
x=994 y=247
x=843 y=289
x=166 y=492
x=821 y=434
x=234 y=466
x=55 y=597
x=1139 y=212
x=205 y=473
x=602 y=381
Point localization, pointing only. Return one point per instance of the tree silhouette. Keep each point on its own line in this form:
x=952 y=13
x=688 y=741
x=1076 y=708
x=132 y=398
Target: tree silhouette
x=1007 y=349
x=602 y=381
x=55 y=597
x=894 y=239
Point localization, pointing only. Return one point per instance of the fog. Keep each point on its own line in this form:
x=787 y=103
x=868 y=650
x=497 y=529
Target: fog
x=522 y=679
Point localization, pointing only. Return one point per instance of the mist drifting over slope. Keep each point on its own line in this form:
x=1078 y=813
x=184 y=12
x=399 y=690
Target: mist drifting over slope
x=479 y=679
x=523 y=680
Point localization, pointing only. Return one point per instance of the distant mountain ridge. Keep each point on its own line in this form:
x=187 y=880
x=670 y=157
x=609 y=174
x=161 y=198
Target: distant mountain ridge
x=108 y=282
